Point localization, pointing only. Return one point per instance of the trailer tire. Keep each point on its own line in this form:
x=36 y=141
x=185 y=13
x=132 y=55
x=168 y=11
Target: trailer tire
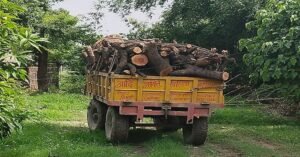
x=96 y=114
x=116 y=126
x=196 y=133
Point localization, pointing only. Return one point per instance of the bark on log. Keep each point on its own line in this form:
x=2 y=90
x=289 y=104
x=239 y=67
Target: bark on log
x=194 y=71
x=122 y=61
x=104 y=58
x=202 y=62
x=139 y=60
x=132 y=69
x=157 y=62
x=85 y=55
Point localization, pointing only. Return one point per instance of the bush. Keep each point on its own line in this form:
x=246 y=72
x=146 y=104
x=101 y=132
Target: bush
x=12 y=109
x=72 y=82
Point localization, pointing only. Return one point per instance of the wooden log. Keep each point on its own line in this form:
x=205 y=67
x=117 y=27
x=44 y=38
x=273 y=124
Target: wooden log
x=157 y=62
x=137 y=50
x=165 y=49
x=213 y=50
x=104 y=60
x=195 y=71
x=122 y=61
x=97 y=45
x=164 y=53
x=132 y=69
x=183 y=50
x=202 y=62
x=91 y=55
x=189 y=46
x=175 y=50
x=139 y=60
x=190 y=50
x=177 y=60
x=84 y=54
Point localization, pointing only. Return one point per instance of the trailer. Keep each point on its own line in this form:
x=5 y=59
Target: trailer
x=123 y=101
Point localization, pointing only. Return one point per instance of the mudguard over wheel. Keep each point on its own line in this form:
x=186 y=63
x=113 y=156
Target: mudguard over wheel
x=116 y=126
x=196 y=133
x=96 y=115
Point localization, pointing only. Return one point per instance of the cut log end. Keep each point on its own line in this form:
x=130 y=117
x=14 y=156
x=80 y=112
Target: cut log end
x=225 y=76
x=189 y=46
x=164 y=53
x=139 y=60
x=137 y=50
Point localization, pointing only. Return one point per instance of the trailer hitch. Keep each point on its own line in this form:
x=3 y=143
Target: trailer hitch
x=166 y=108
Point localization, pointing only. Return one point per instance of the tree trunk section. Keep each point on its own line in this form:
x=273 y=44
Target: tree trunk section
x=158 y=63
x=195 y=71
x=42 y=71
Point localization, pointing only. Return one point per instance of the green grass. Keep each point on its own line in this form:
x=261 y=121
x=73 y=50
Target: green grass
x=59 y=129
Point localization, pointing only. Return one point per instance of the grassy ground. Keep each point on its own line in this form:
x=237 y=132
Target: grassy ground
x=60 y=130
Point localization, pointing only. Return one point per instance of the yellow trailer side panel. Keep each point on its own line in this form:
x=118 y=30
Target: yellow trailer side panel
x=185 y=90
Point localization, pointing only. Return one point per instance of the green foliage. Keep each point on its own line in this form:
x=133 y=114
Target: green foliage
x=274 y=51
x=125 y=7
x=16 y=44
x=66 y=38
x=208 y=23
x=72 y=82
x=12 y=108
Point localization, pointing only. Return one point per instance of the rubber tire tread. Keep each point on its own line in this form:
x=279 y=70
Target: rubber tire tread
x=101 y=109
x=116 y=126
x=196 y=133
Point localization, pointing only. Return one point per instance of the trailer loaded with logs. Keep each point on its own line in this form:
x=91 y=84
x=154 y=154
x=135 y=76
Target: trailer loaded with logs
x=151 y=57
x=178 y=85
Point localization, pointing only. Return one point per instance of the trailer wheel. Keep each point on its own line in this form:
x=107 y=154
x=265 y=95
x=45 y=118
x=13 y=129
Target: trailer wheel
x=196 y=133
x=116 y=126
x=96 y=114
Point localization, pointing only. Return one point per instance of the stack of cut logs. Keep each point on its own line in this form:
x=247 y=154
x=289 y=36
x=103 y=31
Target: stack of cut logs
x=151 y=57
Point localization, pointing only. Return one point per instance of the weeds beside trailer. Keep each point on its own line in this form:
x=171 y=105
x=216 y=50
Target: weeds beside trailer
x=122 y=101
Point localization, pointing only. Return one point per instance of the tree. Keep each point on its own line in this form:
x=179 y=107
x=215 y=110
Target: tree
x=16 y=45
x=35 y=10
x=65 y=34
x=208 y=23
x=273 y=53
x=66 y=37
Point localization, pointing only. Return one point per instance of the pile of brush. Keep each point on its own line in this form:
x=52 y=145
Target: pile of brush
x=151 y=57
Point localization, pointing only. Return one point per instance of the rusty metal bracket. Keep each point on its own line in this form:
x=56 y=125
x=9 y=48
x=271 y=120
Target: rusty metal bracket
x=165 y=109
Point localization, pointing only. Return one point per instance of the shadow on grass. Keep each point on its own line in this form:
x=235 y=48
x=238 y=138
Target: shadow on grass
x=138 y=136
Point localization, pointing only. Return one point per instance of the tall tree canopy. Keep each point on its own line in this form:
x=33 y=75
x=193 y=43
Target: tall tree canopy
x=65 y=34
x=208 y=23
